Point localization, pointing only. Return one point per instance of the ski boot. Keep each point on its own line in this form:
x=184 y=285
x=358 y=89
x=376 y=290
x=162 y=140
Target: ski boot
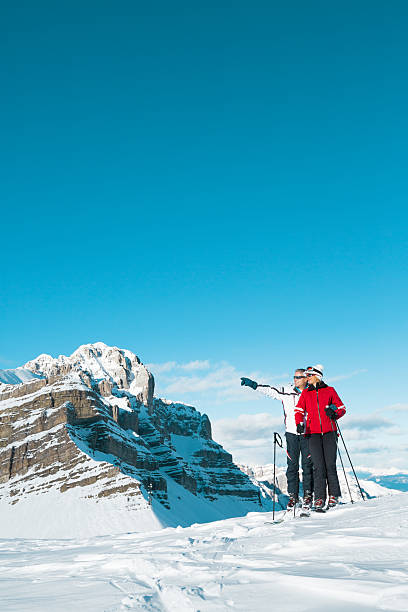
x=319 y=505
x=291 y=507
x=332 y=501
x=307 y=502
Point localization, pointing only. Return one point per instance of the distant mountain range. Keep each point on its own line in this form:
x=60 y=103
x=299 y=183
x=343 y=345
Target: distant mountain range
x=398 y=481
x=375 y=486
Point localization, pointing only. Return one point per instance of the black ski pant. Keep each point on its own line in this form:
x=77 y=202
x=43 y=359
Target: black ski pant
x=323 y=449
x=296 y=445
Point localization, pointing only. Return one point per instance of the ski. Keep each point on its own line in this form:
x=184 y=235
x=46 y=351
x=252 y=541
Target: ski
x=289 y=515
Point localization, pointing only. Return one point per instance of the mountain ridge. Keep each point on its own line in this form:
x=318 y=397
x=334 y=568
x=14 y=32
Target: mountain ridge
x=92 y=418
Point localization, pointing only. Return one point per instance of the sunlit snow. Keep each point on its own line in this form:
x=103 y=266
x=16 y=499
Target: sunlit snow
x=352 y=558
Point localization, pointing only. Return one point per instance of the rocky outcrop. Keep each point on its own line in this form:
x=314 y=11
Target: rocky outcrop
x=53 y=424
x=102 y=366
x=92 y=420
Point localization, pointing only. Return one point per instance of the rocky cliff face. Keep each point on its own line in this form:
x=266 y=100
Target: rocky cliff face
x=90 y=424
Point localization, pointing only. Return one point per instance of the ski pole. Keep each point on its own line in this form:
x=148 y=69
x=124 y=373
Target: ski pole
x=344 y=472
x=341 y=460
x=345 y=448
x=277 y=440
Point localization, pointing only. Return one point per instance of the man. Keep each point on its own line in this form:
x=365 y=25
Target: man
x=296 y=444
x=316 y=413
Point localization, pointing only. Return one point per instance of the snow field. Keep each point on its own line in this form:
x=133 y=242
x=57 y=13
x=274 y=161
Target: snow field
x=351 y=558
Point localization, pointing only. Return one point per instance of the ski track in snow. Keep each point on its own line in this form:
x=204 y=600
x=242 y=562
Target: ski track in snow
x=351 y=558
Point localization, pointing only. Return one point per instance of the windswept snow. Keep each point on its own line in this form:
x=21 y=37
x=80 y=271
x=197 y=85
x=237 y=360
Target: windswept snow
x=17 y=376
x=352 y=558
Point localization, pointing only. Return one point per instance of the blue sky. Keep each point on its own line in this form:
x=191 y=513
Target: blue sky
x=211 y=182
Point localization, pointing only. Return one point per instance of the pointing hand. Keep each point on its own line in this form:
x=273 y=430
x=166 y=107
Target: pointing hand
x=247 y=382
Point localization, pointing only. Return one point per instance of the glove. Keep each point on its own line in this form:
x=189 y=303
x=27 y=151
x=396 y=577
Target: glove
x=247 y=382
x=331 y=412
x=300 y=428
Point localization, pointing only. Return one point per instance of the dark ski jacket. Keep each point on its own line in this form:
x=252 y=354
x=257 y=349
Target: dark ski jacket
x=311 y=407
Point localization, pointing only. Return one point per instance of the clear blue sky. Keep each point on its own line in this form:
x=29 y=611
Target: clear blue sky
x=215 y=180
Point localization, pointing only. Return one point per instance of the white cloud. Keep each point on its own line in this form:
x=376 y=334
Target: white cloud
x=202 y=378
x=398 y=407
x=375 y=441
x=252 y=444
x=247 y=426
x=249 y=437
x=159 y=368
x=221 y=379
x=367 y=423
x=196 y=365
x=346 y=376
x=367 y=427
x=213 y=380
x=169 y=366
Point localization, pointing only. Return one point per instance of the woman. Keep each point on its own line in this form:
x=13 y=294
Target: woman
x=318 y=408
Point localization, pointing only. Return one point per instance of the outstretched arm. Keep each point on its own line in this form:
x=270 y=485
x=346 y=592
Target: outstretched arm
x=273 y=392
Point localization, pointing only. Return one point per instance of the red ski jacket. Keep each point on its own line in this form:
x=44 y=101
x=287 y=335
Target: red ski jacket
x=311 y=408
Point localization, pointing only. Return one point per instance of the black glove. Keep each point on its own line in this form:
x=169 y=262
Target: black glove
x=300 y=428
x=331 y=411
x=247 y=382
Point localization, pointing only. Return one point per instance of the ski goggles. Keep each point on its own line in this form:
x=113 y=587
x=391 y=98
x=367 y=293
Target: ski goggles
x=310 y=371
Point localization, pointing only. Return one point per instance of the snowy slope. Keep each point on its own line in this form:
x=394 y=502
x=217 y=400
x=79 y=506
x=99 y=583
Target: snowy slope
x=17 y=376
x=353 y=559
x=81 y=512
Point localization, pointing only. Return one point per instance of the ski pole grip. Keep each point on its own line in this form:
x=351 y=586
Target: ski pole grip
x=277 y=439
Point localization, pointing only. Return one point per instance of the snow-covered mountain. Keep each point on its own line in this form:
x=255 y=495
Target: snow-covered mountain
x=397 y=481
x=105 y=366
x=84 y=434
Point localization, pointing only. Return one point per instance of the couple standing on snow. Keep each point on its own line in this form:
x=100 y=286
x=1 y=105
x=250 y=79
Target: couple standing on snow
x=311 y=408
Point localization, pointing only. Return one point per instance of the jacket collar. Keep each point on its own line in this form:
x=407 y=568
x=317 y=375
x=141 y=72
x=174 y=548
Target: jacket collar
x=319 y=385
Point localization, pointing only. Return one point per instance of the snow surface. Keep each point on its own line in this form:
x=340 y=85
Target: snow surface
x=352 y=558
x=17 y=376
x=80 y=513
